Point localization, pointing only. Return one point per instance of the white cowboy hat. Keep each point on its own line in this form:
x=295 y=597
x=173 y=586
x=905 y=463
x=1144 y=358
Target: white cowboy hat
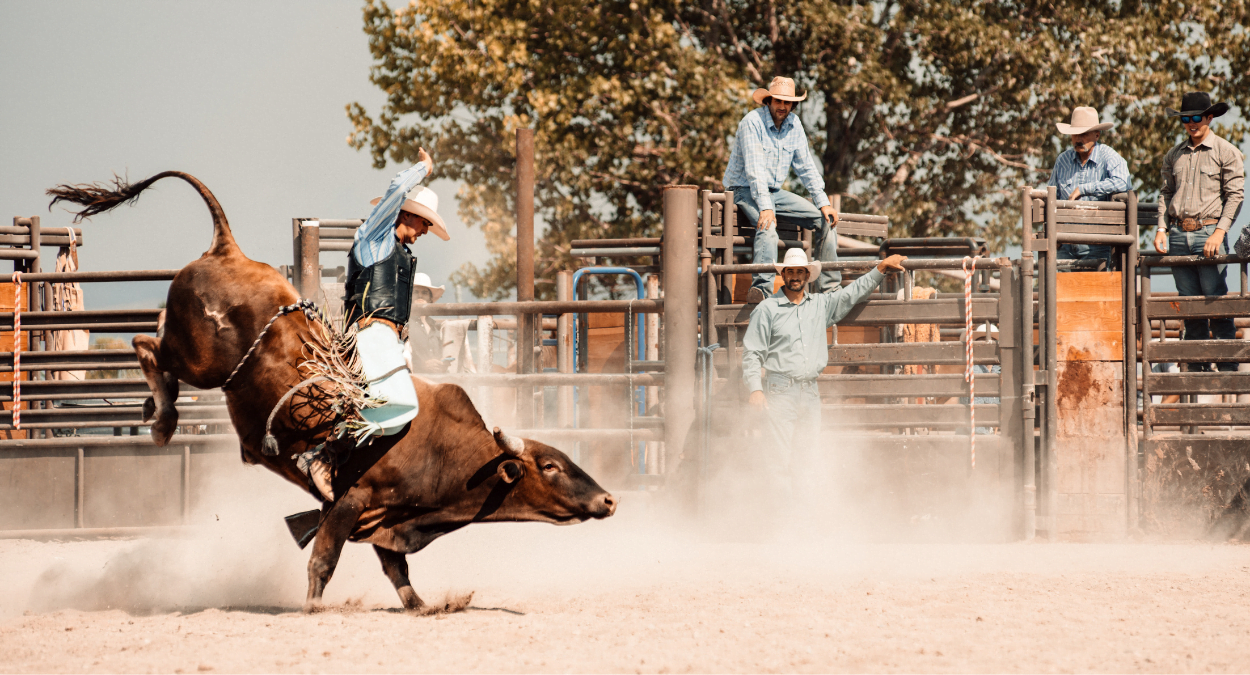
x=422 y=280
x=1083 y=119
x=422 y=201
x=797 y=257
x=978 y=332
x=781 y=88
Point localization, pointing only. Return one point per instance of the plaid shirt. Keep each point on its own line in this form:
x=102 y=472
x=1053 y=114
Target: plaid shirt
x=1105 y=173
x=375 y=239
x=763 y=154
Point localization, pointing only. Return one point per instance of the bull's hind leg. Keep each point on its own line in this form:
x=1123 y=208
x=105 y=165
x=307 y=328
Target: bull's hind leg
x=395 y=565
x=336 y=527
x=164 y=388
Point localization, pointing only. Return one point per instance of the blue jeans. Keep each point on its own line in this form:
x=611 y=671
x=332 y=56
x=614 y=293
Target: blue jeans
x=793 y=209
x=1085 y=252
x=1201 y=280
x=795 y=459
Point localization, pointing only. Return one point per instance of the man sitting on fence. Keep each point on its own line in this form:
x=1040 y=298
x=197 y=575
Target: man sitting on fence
x=1204 y=179
x=786 y=338
x=770 y=140
x=1088 y=171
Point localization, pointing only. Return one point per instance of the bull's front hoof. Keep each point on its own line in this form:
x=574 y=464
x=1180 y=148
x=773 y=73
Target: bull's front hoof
x=313 y=606
x=149 y=408
x=164 y=427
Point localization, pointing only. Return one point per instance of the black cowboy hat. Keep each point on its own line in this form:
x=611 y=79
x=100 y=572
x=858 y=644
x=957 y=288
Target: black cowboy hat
x=1198 y=103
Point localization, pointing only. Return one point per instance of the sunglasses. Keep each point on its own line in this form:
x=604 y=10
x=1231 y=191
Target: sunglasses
x=1187 y=119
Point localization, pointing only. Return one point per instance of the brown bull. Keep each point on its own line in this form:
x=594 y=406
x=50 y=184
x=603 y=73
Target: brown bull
x=400 y=492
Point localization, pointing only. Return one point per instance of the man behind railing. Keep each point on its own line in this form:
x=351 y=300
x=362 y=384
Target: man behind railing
x=786 y=339
x=1204 y=180
x=1088 y=171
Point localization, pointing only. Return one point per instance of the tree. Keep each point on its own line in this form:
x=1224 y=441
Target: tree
x=931 y=113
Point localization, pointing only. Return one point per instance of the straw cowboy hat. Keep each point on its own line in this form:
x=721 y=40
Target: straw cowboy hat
x=422 y=201
x=1083 y=119
x=422 y=280
x=1198 y=103
x=797 y=257
x=781 y=88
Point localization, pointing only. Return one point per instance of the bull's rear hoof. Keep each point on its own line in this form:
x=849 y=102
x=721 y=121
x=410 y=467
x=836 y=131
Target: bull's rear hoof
x=164 y=427
x=149 y=408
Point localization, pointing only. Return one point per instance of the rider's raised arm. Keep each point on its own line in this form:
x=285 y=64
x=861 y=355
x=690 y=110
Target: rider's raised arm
x=841 y=300
x=377 y=234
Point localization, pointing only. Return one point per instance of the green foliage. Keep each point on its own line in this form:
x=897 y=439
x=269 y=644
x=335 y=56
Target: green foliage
x=931 y=113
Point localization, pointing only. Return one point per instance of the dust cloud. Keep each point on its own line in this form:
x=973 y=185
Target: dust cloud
x=240 y=555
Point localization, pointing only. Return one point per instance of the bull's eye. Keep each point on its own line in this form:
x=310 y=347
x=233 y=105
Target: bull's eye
x=549 y=466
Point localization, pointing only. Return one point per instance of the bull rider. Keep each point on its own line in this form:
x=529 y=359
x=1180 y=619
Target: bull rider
x=380 y=273
x=769 y=141
x=787 y=339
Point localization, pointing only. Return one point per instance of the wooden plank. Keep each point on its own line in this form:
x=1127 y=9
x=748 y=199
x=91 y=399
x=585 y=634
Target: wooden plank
x=1089 y=217
x=863 y=229
x=1080 y=228
x=1090 y=346
x=1089 y=317
x=909 y=415
x=1084 y=286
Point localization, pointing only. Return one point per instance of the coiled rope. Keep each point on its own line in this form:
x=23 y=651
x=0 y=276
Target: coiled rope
x=968 y=366
x=310 y=311
x=17 y=350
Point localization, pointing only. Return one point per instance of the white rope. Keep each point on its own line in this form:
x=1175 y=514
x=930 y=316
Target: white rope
x=969 y=376
x=17 y=350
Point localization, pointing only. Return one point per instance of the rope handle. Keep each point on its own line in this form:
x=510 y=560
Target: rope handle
x=17 y=350
x=969 y=376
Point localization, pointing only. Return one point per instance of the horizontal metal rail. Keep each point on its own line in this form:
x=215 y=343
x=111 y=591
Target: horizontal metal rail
x=548 y=379
x=86 y=277
x=615 y=243
x=856 y=265
x=533 y=307
x=1163 y=260
x=229 y=442
x=623 y=252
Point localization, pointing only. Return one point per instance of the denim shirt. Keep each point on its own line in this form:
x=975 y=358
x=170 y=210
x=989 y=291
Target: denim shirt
x=789 y=339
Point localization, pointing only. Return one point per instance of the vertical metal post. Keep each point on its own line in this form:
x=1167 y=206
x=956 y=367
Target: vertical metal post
x=1128 y=275
x=564 y=351
x=186 y=483
x=525 y=270
x=485 y=363
x=653 y=354
x=1050 y=335
x=40 y=341
x=310 y=259
x=295 y=245
x=1009 y=353
x=80 y=482
x=1144 y=326
x=681 y=326
x=1028 y=388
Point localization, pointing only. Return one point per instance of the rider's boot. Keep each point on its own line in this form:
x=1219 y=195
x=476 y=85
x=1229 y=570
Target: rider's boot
x=322 y=475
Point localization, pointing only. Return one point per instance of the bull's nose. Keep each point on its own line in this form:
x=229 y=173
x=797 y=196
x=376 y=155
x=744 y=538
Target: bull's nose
x=608 y=503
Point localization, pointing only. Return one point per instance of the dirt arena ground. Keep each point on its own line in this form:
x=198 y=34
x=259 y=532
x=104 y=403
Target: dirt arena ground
x=623 y=595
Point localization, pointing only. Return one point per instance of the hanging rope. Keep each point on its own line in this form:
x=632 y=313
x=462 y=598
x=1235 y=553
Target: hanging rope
x=968 y=366
x=17 y=350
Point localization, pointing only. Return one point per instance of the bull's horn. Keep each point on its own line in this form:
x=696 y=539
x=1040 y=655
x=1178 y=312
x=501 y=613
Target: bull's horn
x=513 y=445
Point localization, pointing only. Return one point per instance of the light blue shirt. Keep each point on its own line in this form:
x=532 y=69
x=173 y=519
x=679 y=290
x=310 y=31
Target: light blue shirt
x=375 y=239
x=790 y=339
x=1105 y=173
x=763 y=154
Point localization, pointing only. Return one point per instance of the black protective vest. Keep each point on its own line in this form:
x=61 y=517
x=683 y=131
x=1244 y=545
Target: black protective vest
x=382 y=290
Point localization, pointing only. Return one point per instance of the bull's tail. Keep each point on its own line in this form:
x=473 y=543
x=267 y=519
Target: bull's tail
x=101 y=197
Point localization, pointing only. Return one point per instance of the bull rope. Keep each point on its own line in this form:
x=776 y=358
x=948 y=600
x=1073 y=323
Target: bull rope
x=17 y=350
x=969 y=376
x=309 y=311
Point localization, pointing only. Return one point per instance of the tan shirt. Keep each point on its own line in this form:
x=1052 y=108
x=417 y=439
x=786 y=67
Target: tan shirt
x=1203 y=182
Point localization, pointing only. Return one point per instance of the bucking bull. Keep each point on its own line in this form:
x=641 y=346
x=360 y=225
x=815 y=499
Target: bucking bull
x=398 y=493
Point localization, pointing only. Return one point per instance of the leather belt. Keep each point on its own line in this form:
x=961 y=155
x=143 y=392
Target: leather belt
x=1193 y=224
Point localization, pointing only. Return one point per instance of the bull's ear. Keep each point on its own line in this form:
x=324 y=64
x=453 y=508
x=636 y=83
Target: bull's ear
x=510 y=471
x=509 y=444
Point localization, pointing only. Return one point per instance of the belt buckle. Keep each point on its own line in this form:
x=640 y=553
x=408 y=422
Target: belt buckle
x=1191 y=224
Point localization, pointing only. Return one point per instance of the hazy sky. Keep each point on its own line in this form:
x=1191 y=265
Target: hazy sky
x=247 y=96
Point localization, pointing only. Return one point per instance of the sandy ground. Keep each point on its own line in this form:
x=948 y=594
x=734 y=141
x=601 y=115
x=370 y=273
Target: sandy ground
x=624 y=595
